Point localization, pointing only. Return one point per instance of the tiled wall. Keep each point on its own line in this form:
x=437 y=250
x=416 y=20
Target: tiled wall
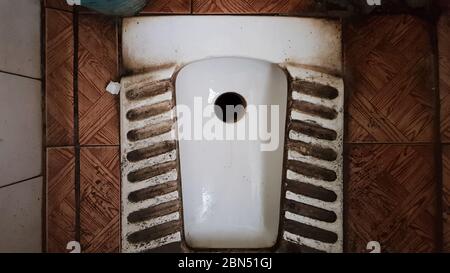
x=392 y=163
x=21 y=184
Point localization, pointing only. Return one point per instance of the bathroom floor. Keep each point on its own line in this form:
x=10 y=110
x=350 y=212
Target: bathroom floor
x=394 y=178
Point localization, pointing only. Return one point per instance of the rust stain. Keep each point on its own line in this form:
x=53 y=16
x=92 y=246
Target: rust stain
x=148 y=111
x=153 y=191
x=315 y=89
x=152 y=171
x=150 y=131
x=316 y=68
x=139 y=70
x=312 y=191
x=144 y=92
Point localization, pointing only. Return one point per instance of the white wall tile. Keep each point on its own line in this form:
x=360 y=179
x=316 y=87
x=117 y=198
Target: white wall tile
x=21 y=217
x=20 y=128
x=20 y=37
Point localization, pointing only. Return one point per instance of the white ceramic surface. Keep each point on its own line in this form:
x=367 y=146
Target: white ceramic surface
x=230 y=188
x=20 y=128
x=20 y=32
x=21 y=217
x=162 y=40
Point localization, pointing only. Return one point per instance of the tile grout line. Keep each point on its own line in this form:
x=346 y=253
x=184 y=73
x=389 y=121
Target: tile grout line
x=20 y=181
x=120 y=69
x=345 y=161
x=76 y=132
x=43 y=41
x=432 y=25
x=20 y=75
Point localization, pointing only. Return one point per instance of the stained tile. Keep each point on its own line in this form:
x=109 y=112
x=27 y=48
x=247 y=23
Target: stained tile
x=20 y=49
x=58 y=4
x=254 y=6
x=98 y=65
x=389 y=80
x=446 y=195
x=100 y=199
x=59 y=78
x=391 y=197
x=21 y=217
x=444 y=74
x=20 y=128
x=168 y=6
x=60 y=198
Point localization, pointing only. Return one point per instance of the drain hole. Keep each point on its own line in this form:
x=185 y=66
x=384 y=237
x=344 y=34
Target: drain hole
x=230 y=107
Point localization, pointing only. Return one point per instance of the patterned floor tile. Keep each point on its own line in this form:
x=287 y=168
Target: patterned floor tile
x=252 y=6
x=444 y=74
x=100 y=199
x=389 y=80
x=60 y=198
x=391 y=197
x=98 y=65
x=59 y=78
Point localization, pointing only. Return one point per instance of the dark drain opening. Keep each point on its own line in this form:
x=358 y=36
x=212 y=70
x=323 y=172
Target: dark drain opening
x=230 y=107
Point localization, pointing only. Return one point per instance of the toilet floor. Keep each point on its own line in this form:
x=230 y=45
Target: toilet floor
x=392 y=172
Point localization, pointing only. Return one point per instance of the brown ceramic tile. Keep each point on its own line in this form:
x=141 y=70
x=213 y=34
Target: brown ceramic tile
x=444 y=74
x=59 y=78
x=446 y=197
x=60 y=198
x=391 y=197
x=168 y=6
x=58 y=4
x=98 y=64
x=389 y=80
x=100 y=199
x=312 y=7
x=254 y=6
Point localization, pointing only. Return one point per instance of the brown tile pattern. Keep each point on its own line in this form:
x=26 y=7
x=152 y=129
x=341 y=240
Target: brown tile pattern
x=252 y=6
x=58 y=4
x=59 y=78
x=390 y=188
x=100 y=199
x=389 y=80
x=444 y=74
x=446 y=196
x=391 y=198
x=98 y=64
x=168 y=6
x=60 y=198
